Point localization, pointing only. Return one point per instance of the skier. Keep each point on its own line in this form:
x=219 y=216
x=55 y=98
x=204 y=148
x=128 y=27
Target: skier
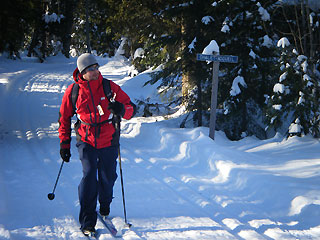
x=97 y=137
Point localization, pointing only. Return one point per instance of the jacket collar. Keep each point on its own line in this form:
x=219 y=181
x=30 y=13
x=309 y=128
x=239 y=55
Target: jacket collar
x=77 y=76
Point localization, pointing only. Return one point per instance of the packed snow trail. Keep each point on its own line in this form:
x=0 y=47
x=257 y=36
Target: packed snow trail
x=179 y=184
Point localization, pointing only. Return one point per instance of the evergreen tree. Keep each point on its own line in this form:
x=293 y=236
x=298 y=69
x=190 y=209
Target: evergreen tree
x=52 y=29
x=247 y=32
x=174 y=26
x=16 y=21
x=68 y=10
x=100 y=34
x=187 y=37
x=294 y=107
x=166 y=30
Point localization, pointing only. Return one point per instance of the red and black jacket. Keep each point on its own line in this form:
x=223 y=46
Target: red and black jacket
x=92 y=127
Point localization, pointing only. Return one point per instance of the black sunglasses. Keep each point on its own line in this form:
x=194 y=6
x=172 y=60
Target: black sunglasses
x=92 y=68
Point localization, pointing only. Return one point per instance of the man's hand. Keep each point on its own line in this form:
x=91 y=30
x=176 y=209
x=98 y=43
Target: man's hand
x=117 y=108
x=65 y=154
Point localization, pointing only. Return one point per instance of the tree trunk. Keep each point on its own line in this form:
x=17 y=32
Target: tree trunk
x=38 y=33
x=311 y=47
x=69 y=7
x=87 y=27
x=185 y=74
x=304 y=29
x=199 y=103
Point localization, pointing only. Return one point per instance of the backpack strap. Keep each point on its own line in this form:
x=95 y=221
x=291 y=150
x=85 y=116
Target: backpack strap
x=107 y=88
x=74 y=96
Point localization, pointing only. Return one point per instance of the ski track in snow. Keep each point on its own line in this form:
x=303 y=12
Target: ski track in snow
x=179 y=184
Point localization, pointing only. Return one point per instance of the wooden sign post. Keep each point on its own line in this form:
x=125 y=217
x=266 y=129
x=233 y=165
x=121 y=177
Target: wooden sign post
x=215 y=80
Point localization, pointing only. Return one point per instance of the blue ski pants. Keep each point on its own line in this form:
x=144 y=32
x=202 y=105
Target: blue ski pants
x=99 y=175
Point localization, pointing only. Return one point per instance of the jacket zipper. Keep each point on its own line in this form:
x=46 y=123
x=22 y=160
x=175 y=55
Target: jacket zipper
x=95 y=116
x=87 y=128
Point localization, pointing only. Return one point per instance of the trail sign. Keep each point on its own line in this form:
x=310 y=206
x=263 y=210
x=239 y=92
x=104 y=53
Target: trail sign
x=216 y=59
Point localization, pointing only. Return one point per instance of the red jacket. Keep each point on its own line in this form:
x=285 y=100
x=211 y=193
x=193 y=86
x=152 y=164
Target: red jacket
x=93 y=127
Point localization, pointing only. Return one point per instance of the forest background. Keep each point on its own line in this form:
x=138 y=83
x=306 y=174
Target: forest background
x=274 y=87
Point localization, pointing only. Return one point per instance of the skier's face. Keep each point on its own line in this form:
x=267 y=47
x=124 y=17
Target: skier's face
x=91 y=73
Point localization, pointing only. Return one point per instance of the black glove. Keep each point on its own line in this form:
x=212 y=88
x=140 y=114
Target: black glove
x=65 y=154
x=117 y=108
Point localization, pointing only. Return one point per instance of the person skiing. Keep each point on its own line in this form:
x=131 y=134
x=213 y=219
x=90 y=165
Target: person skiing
x=97 y=136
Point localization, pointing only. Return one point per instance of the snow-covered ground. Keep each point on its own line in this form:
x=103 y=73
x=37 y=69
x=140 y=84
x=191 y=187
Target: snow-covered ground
x=179 y=184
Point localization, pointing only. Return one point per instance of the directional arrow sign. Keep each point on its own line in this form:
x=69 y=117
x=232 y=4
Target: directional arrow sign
x=217 y=58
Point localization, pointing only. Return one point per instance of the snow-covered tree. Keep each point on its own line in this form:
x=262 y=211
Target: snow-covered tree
x=246 y=29
x=101 y=32
x=170 y=33
x=51 y=29
x=294 y=105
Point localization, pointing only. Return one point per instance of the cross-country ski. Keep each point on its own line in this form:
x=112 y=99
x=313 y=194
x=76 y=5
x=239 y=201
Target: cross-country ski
x=109 y=225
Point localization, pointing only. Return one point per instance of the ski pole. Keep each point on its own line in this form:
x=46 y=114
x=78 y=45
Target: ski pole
x=51 y=195
x=118 y=119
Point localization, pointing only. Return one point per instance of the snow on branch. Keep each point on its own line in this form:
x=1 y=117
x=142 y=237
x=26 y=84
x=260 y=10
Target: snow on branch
x=48 y=18
x=283 y=42
x=235 y=89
